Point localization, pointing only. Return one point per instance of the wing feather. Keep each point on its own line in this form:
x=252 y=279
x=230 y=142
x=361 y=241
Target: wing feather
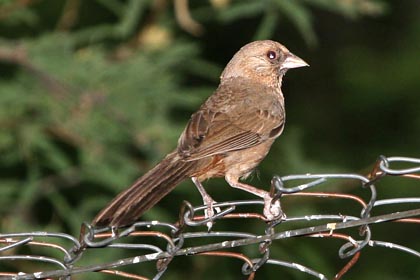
x=231 y=120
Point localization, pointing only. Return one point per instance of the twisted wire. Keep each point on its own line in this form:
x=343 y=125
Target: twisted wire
x=69 y=251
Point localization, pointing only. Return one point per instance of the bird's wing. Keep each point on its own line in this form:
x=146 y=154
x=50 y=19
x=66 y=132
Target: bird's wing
x=238 y=116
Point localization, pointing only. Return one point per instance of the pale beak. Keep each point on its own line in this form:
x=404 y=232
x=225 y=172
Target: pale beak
x=292 y=61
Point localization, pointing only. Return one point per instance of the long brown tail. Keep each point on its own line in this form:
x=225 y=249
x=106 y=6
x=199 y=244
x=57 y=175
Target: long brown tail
x=144 y=193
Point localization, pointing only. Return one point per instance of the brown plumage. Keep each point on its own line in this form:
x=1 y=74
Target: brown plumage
x=227 y=137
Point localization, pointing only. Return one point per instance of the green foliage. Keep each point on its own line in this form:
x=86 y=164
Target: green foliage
x=93 y=93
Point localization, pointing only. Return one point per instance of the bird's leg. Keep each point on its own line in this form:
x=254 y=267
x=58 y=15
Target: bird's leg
x=207 y=200
x=272 y=210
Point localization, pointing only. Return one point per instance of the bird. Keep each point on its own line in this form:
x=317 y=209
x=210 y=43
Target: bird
x=229 y=135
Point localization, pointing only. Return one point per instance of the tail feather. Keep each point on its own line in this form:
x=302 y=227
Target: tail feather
x=144 y=193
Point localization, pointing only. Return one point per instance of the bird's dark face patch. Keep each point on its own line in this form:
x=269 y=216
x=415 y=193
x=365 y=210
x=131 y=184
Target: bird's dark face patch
x=275 y=56
x=272 y=55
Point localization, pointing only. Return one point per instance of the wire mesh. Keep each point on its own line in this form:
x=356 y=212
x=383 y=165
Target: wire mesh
x=159 y=242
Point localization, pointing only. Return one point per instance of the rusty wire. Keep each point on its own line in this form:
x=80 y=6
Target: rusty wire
x=70 y=250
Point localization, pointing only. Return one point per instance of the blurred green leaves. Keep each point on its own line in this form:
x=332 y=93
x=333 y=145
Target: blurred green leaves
x=71 y=107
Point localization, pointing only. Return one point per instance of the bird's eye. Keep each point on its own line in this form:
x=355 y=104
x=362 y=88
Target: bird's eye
x=271 y=55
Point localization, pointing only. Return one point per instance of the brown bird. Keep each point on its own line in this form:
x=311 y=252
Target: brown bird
x=227 y=137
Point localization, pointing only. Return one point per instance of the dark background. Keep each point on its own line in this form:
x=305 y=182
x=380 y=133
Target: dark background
x=94 y=93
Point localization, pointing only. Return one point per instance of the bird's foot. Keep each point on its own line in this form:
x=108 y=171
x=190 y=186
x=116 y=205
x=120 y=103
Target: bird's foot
x=272 y=209
x=209 y=212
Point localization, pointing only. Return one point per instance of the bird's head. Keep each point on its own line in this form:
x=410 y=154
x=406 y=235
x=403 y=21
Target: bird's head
x=265 y=60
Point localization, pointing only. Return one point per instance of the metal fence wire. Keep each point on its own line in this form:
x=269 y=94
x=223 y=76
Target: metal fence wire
x=160 y=243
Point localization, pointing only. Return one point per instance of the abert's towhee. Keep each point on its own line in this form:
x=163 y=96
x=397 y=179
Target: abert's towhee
x=227 y=137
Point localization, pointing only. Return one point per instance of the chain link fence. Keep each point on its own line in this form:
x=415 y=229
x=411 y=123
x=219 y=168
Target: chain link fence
x=160 y=243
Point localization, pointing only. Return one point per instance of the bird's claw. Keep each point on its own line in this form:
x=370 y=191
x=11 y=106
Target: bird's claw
x=209 y=212
x=272 y=209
